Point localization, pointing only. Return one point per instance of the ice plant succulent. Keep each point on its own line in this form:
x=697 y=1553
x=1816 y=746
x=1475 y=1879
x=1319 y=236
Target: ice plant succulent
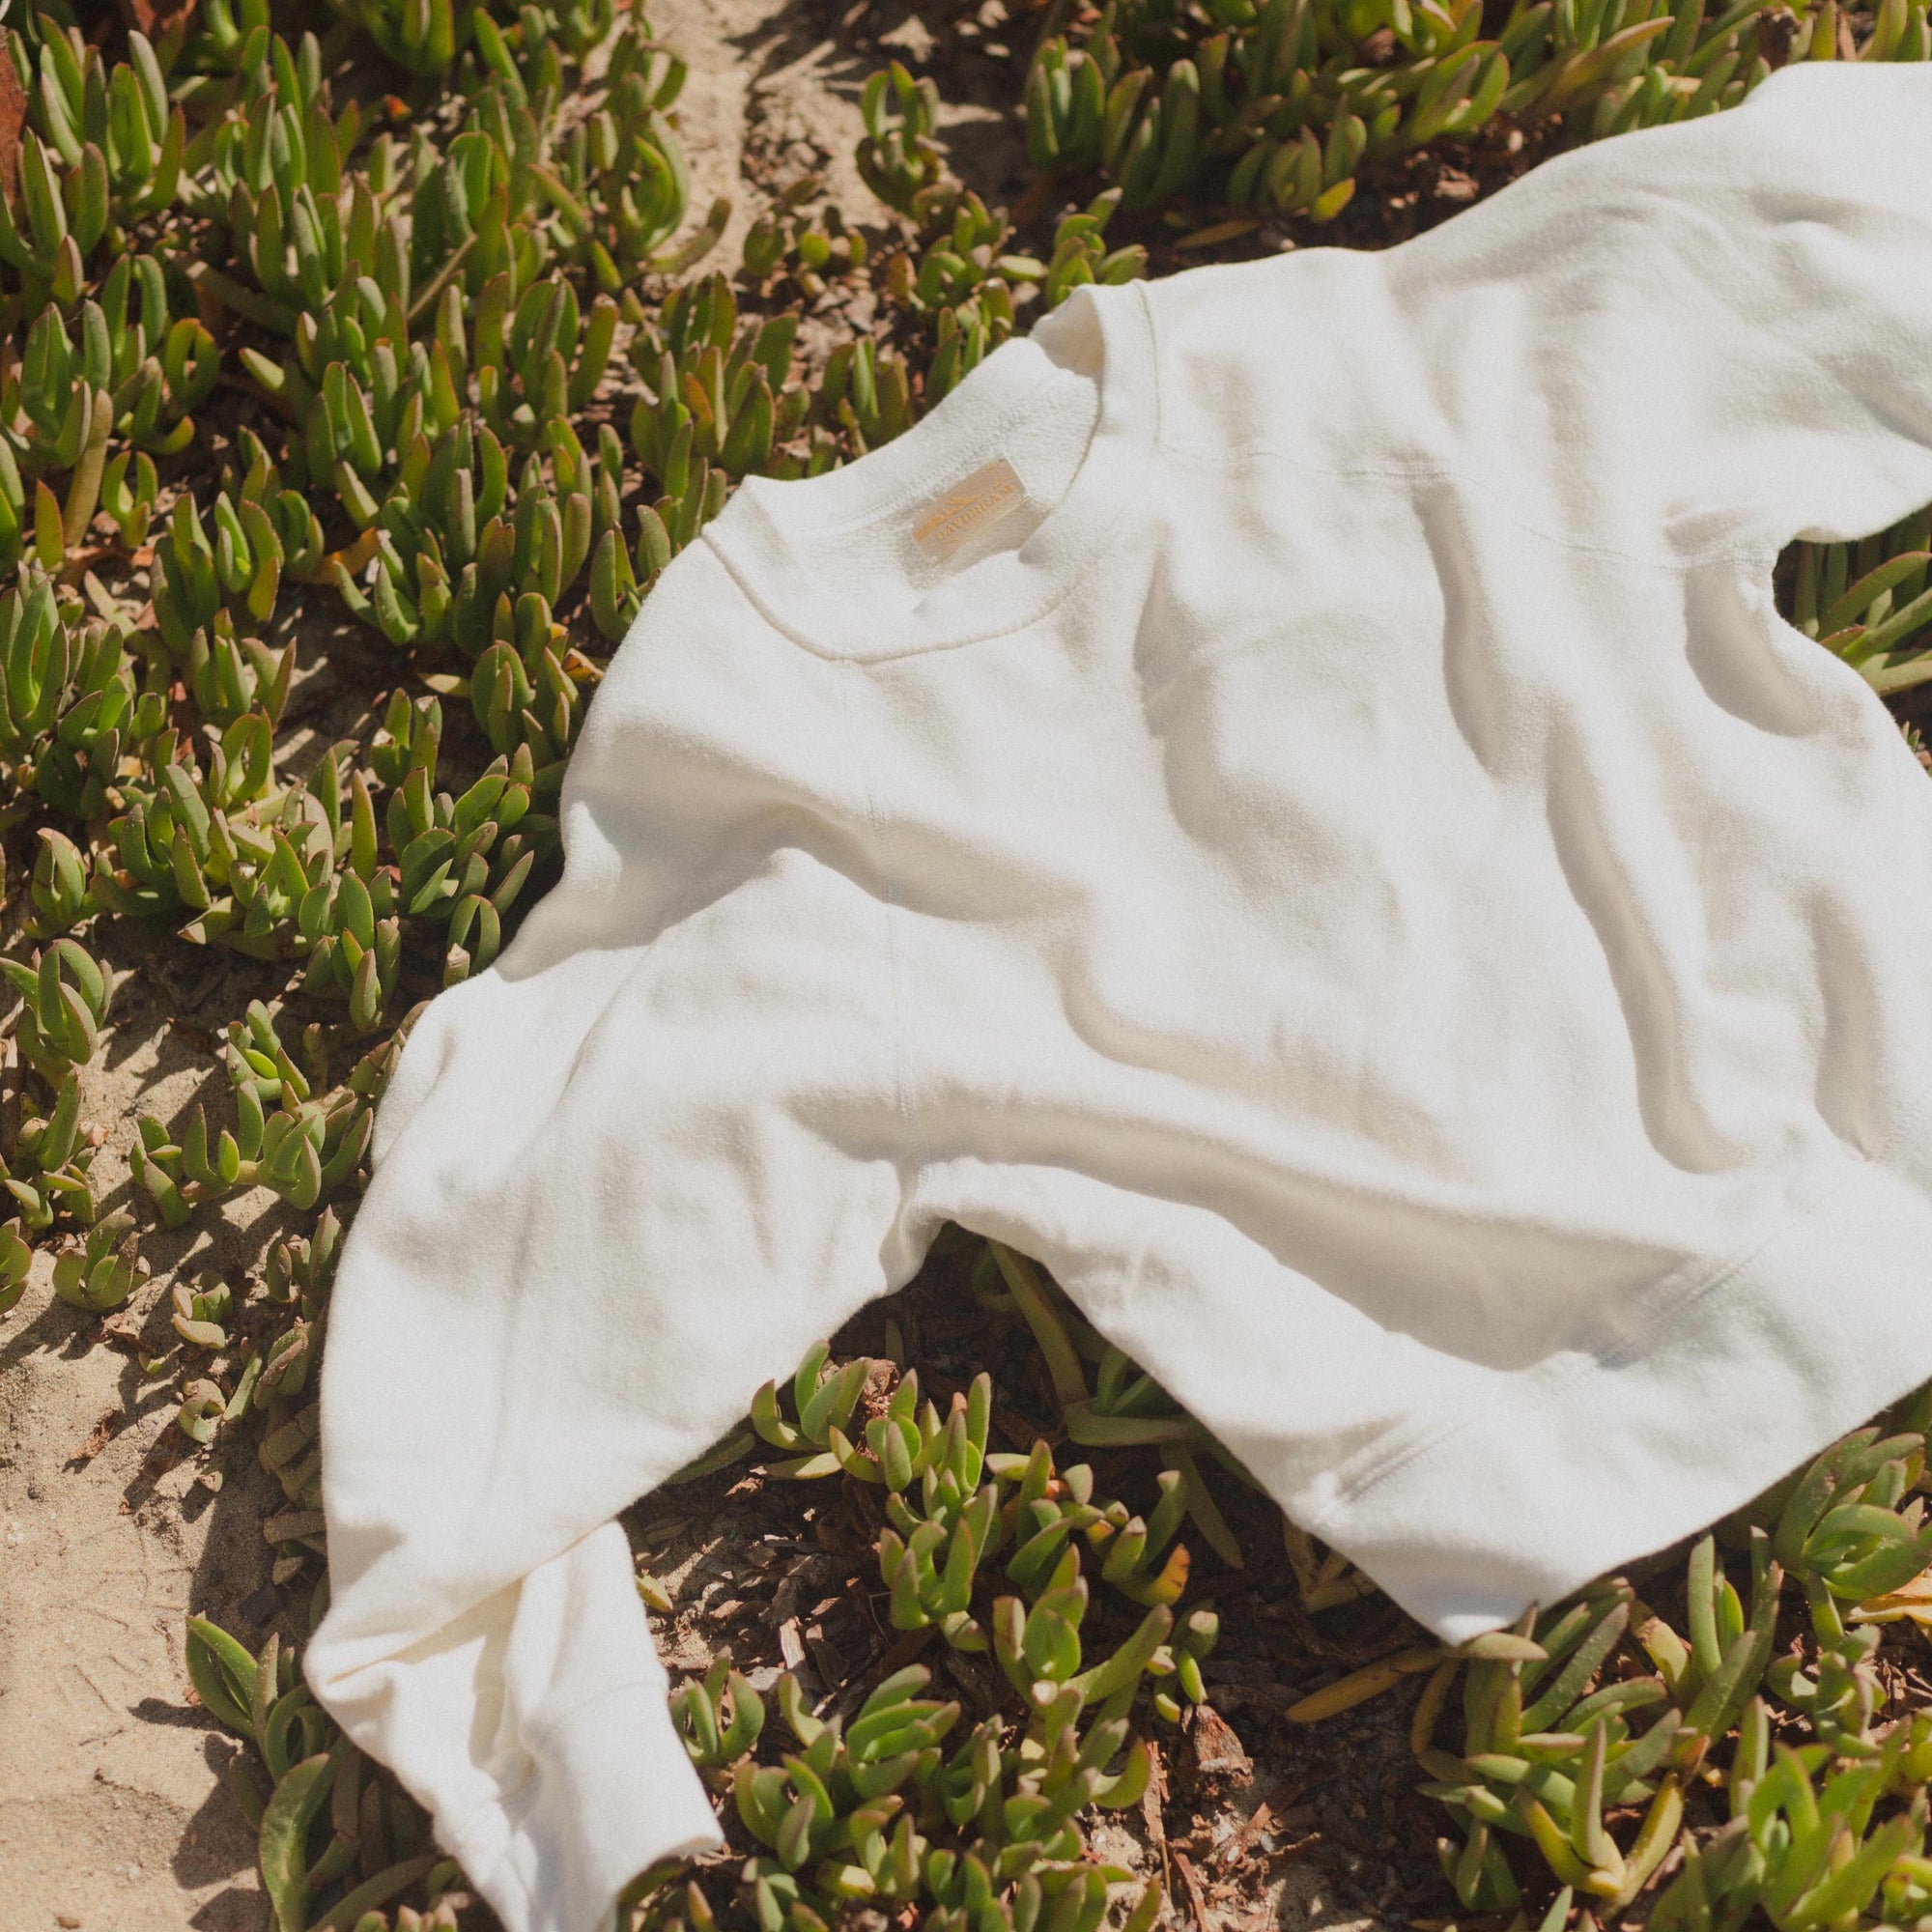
x=428 y=275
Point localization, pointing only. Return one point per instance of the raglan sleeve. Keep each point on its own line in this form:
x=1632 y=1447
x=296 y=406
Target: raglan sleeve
x=620 y=1179
x=1706 y=337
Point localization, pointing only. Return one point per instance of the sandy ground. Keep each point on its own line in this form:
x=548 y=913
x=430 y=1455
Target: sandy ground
x=112 y=1813
x=113 y=1810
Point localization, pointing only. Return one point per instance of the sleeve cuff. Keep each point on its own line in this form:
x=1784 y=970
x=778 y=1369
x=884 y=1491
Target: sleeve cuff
x=610 y=1790
x=536 y=1729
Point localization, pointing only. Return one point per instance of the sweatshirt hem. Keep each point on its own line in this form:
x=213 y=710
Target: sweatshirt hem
x=1548 y=1480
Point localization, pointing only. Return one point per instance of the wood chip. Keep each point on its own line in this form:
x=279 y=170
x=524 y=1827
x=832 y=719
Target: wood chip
x=1217 y=1752
x=292 y=1526
x=1257 y=1823
x=791 y=1644
x=1153 y=1818
x=811 y=1575
x=831 y=1667
x=112 y=1422
x=12 y=121
x=1196 y=1900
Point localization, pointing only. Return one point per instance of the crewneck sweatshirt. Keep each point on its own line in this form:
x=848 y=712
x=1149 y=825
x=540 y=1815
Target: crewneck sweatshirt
x=1285 y=798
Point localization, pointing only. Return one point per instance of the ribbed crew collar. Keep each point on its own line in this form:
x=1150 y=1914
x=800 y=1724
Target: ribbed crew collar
x=770 y=533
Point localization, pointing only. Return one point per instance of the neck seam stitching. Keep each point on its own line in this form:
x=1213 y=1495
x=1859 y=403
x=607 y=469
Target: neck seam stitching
x=1148 y=446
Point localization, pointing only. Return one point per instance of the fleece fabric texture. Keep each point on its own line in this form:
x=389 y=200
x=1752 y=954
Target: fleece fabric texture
x=1354 y=875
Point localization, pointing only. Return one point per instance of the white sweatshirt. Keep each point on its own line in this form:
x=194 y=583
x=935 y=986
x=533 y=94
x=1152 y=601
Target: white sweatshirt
x=1343 y=863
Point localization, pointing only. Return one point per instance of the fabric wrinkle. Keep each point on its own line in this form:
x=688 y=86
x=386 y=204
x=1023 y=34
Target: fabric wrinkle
x=1334 y=855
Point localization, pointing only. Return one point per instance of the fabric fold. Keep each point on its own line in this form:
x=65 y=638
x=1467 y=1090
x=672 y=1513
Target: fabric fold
x=1345 y=866
x=536 y=1730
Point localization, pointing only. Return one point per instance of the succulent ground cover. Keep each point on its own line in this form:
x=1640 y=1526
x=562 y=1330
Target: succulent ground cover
x=363 y=366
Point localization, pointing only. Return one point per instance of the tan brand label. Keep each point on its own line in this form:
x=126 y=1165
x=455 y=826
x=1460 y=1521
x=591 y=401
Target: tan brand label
x=968 y=509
